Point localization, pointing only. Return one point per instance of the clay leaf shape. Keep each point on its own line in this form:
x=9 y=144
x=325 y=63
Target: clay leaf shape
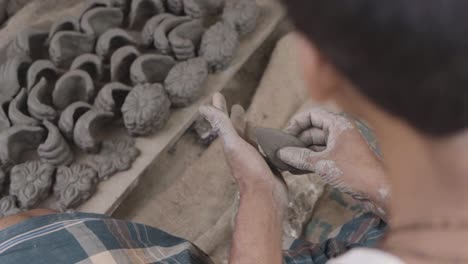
x=112 y=40
x=74 y=185
x=242 y=14
x=147 y=34
x=65 y=23
x=185 y=39
x=146 y=109
x=31 y=182
x=73 y=86
x=120 y=64
x=55 y=150
x=142 y=10
x=41 y=69
x=185 y=82
x=98 y=20
x=200 y=8
x=40 y=100
x=219 y=45
x=70 y=116
x=18 y=110
x=30 y=43
x=65 y=46
x=151 y=68
x=8 y=206
x=111 y=97
x=160 y=35
x=16 y=141
x=85 y=134
x=13 y=74
x=91 y=64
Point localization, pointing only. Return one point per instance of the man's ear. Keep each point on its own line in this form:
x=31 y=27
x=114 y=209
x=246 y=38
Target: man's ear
x=319 y=74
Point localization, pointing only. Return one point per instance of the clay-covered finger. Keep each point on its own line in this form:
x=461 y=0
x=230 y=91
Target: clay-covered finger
x=238 y=119
x=299 y=158
x=218 y=120
x=314 y=136
x=314 y=118
x=219 y=102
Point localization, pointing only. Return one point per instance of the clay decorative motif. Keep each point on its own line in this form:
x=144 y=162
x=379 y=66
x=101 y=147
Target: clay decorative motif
x=242 y=14
x=66 y=23
x=120 y=64
x=98 y=20
x=4 y=121
x=74 y=185
x=70 y=116
x=146 y=109
x=30 y=43
x=17 y=141
x=185 y=39
x=55 y=150
x=219 y=45
x=111 y=97
x=65 y=46
x=151 y=68
x=160 y=36
x=18 y=110
x=147 y=34
x=200 y=8
x=13 y=74
x=74 y=86
x=185 y=82
x=142 y=10
x=91 y=64
x=31 y=182
x=116 y=155
x=112 y=40
x=176 y=6
x=85 y=134
x=40 y=69
x=40 y=101
x=8 y=206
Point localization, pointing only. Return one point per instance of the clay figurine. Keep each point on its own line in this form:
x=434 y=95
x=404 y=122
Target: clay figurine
x=13 y=74
x=185 y=39
x=30 y=42
x=31 y=182
x=112 y=40
x=40 y=101
x=116 y=155
x=86 y=128
x=70 y=116
x=18 y=110
x=151 y=68
x=218 y=46
x=65 y=23
x=55 y=149
x=160 y=36
x=65 y=46
x=120 y=64
x=74 y=185
x=146 y=109
x=100 y=19
x=73 y=86
x=185 y=82
x=16 y=141
x=142 y=10
x=176 y=7
x=147 y=34
x=111 y=97
x=201 y=8
x=91 y=64
x=242 y=14
x=40 y=69
x=8 y=206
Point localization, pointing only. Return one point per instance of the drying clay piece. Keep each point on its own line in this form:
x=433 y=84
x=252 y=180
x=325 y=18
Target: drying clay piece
x=270 y=141
x=185 y=39
x=3 y=178
x=219 y=44
x=147 y=34
x=146 y=109
x=200 y=8
x=66 y=23
x=89 y=63
x=185 y=81
x=100 y=19
x=111 y=41
x=70 y=116
x=74 y=185
x=160 y=36
x=72 y=87
x=55 y=150
x=8 y=206
x=40 y=101
x=31 y=182
x=4 y=121
x=65 y=46
x=40 y=69
x=121 y=61
x=13 y=77
x=242 y=14
x=18 y=110
x=176 y=7
x=31 y=43
x=116 y=155
x=111 y=97
x=142 y=10
x=18 y=140
x=86 y=128
x=151 y=68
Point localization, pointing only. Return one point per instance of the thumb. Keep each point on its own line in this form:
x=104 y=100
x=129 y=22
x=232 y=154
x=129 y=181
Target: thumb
x=299 y=158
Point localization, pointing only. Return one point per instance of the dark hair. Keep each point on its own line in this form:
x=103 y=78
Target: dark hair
x=409 y=57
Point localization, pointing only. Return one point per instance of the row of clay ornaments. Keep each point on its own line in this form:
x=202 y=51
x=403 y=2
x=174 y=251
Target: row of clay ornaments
x=121 y=59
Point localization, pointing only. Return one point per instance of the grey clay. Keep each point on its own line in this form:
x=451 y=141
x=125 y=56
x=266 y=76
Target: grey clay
x=8 y=206
x=66 y=23
x=4 y=121
x=200 y=8
x=55 y=149
x=65 y=46
x=73 y=86
x=160 y=36
x=151 y=68
x=147 y=34
x=242 y=14
x=40 y=101
x=185 y=39
x=176 y=7
x=70 y=116
x=142 y=10
x=100 y=19
x=30 y=42
x=120 y=64
x=18 y=110
x=86 y=128
x=41 y=69
x=112 y=40
x=219 y=45
x=111 y=97
x=17 y=141
x=13 y=74
x=91 y=64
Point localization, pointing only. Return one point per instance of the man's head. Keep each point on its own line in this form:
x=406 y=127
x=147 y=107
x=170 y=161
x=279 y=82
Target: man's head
x=407 y=57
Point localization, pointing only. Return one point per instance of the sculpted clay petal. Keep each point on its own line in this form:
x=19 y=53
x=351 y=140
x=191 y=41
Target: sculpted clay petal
x=41 y=69
x=40 y=101
x=111 y=97
x=176 y=7
x=151 y=68
x=70 y=116
x=8 y=206
x=200 y=8
x=185 y=39
x=13 y=74
x=16 y=141
x=160 y=36
x=73 y=86
x=89 y=63
x=4 y=121
x=55 y=150
x=85 y=132
x=65 y=23
x=65 y=46
x=100 y=19
x=142 y=10
x=120 y=63
x=219 y=45
x=147 y=34
x=242 y=14
x=112 y=40
x=30 y=42
x=18 y=110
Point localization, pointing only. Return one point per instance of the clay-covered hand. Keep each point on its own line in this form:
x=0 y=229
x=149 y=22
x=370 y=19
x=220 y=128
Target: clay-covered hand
x=248 y=167
x=338 y=153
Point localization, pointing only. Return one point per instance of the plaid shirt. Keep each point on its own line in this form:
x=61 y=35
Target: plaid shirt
x=89 y=238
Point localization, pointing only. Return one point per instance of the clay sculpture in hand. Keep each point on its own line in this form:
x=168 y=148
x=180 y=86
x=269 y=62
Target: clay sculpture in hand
x=70 y=116
x=13 y=74
x=40 y=101
x=91 y=64
x=65 y=46
x=74 y=86
x=147 y=34
x=112 y=40
x=160 y=36
x=66 y=23
x=176 y=7
x=111 y=97
x=116 y=155
x=74 y=185
x=31 y=182
x=87 y=128
x=98 y=20
x=185 y=82
x=8 y=206
x=17 y=141
x=151 y=68
x=242 y=14
x=41 y=69
x=219 y=45
x=200 y=8
x=146 y=109
x=142 y=10
x=30 y=43
x=120 y=64
x=18 y=110
x=185 y=39
x=55 y=149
